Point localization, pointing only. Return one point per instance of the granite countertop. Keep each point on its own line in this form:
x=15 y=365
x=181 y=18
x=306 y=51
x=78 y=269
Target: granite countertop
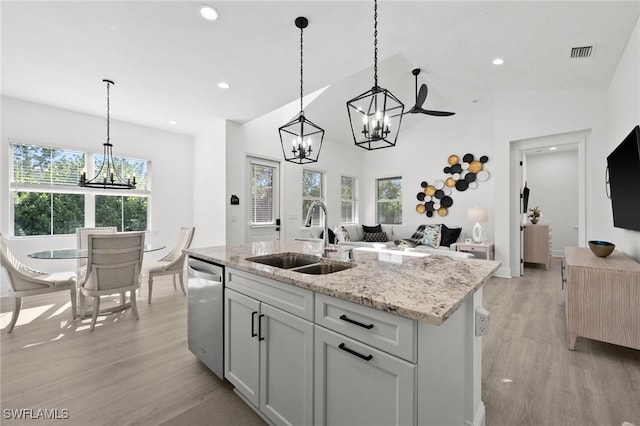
x=427 y=288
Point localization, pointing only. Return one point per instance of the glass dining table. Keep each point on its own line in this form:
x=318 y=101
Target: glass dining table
x=72 y=253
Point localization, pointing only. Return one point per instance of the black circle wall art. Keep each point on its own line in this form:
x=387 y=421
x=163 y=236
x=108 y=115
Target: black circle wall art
x=464 y=172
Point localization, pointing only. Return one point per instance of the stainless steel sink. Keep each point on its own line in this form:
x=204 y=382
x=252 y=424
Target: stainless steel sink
x=285 y=260
x=324 y=268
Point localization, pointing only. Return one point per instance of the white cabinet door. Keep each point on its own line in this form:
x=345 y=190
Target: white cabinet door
x=241 y=344
x=286 y=367
x=356 y=384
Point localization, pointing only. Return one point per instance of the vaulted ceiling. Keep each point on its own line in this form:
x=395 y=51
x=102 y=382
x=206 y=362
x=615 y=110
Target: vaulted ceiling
x=166 y=60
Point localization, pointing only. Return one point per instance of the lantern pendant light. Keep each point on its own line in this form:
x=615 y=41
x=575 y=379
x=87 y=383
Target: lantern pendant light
x=375 y=116
x=107 y=176
x=301 y=140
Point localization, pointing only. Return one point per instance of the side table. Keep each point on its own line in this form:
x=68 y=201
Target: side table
x=486 y=247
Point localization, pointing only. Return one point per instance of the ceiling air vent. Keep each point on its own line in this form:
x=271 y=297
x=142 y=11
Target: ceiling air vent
x=582 y=52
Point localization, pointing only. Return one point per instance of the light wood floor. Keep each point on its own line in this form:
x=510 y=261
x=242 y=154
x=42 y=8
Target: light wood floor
x=529 y=377
x=131 y=372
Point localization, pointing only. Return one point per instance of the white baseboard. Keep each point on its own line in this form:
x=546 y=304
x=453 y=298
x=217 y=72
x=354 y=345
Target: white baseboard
x=479 y=419
x=503 y=272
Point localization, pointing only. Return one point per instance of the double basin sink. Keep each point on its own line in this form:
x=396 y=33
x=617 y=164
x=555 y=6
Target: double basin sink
x=302 y=263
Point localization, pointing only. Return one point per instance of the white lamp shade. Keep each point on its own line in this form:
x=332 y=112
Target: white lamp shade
x=477 y=214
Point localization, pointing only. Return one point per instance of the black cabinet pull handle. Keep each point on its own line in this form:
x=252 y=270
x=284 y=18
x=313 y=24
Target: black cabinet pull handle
x=343 y=317
x=253 y=323
x=352 y=352
x=260 y=337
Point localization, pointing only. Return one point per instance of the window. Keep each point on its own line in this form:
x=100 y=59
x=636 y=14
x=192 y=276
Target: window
x=262 y=196
x=46 y=199
x=126 y=213
x=348 y=199
x=389 y=200
x=311 y=191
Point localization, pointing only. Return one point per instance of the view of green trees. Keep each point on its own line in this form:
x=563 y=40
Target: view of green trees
x=126 y=213
x=347 y=197
x=389 y=200
x=311 y=191
x=39 y=211
x=262 y=194
x=37 y=164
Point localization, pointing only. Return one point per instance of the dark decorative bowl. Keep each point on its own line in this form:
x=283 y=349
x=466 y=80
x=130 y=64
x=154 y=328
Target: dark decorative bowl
x=601 y=248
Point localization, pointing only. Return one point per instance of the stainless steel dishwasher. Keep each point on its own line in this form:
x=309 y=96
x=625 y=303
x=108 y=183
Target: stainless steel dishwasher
x=205 y=281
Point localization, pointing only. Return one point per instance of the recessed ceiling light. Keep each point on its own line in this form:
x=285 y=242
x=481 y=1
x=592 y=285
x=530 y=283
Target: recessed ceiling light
x=208 y=12
x=223 y=85
x=173 y=123
x=553 y=148
x=498 y=61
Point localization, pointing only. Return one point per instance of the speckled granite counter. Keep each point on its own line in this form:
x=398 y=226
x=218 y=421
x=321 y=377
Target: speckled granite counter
x=429 y=288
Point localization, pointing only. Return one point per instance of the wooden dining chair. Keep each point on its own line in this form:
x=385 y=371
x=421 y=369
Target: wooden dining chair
x=82 y=244
x=113 y=266
x=28 y=282
x=172 y=263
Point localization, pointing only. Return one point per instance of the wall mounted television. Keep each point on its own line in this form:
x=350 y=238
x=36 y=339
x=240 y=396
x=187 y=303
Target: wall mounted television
x=623 y=166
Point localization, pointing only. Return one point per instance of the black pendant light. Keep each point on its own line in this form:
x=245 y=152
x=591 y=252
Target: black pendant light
x=301 y=140
x=375 y=115
x=107 y=176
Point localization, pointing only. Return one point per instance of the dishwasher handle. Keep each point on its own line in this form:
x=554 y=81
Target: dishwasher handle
x=205 y=271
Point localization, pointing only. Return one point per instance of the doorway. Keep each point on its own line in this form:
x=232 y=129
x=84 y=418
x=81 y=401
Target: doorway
x=263 y=209
x=553 y=167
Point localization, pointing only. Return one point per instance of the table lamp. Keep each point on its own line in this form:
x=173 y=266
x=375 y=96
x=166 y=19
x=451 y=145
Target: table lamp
x=477 y=215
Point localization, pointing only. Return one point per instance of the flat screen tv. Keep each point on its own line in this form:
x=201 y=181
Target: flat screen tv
x=623 y=165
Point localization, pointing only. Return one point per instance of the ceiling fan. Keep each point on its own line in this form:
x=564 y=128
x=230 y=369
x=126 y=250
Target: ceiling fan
x=421 y=96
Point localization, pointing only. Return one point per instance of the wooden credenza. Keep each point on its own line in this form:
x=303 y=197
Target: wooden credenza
x=602 y=297
x=536 y=244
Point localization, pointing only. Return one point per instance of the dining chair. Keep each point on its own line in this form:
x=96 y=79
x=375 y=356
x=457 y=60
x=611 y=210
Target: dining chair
x=82 y=244
x=113 y=266
x=28 y=282
x=172 y=263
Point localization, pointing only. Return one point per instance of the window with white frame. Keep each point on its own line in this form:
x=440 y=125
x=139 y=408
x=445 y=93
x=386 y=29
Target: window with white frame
x=389 y=200
x=312 y=190
x=348 y=200
x=262 y=194
x=46 y=199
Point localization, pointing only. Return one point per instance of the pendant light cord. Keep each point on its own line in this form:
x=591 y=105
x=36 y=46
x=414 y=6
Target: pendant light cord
x=108 y=138
x=375 y=43
x=301 y=70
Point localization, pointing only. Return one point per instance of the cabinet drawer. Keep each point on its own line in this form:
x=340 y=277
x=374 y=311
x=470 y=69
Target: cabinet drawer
x=390 y=333
x=295 y=300
x=474 y=249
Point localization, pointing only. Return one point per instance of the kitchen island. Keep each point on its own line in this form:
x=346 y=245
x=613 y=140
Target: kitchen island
x=389 y=340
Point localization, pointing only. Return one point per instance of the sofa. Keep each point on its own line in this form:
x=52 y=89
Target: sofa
x=353 y=235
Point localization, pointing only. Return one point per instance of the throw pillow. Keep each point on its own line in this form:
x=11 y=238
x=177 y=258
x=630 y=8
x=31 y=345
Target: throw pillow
x=405 y=242
x=449 y=235
x=416 y=237
x=332 y=236
x=377 y=228
x=345 y=235
x=432 y=235
x=375 y=237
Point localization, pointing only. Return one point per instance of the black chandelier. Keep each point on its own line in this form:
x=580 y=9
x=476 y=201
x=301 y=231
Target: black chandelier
x=375 y=115
x=107 y=176
x=301 y=139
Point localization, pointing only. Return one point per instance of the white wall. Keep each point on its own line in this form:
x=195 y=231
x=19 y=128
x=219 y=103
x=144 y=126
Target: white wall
x=171 y=158
x=421 y=153
x=624 y=114
x=209 y=179
x=527 y=114
x=260 y=138
x=552 y=178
